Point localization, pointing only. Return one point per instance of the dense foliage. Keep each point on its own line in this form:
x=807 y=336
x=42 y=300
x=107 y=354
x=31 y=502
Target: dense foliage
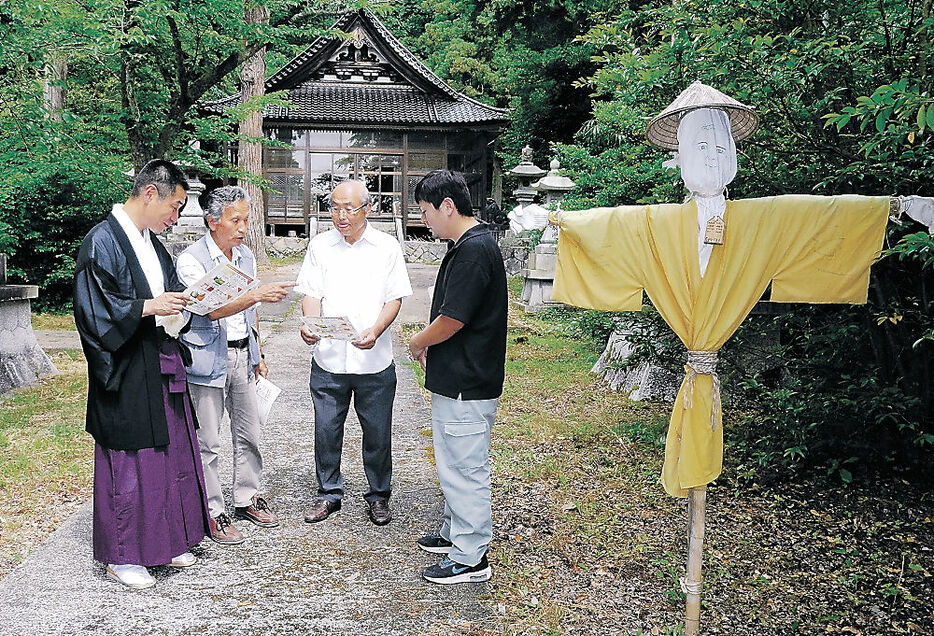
x=131 y=73
x=516 y=53
x=843 y=96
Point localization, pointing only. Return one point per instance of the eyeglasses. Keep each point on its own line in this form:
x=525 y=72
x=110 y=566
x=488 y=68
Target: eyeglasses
x=335 y=211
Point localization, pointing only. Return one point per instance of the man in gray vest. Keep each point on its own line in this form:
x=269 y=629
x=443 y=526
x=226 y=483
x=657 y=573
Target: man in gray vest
x=225 y=362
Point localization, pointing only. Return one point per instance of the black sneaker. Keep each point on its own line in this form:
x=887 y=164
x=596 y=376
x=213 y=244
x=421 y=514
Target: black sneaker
x=448 y=571
x=434 y=543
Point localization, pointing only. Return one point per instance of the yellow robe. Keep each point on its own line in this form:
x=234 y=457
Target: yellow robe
x=813 y=249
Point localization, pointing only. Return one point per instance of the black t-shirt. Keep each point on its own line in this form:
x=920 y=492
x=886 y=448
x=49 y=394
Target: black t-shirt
x=471 y=288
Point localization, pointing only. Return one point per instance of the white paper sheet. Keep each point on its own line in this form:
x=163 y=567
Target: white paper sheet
x=337 y=327
x=266 y=394
x=218 y=287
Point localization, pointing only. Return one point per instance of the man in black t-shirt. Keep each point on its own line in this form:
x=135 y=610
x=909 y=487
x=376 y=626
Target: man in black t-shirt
x=463 y=352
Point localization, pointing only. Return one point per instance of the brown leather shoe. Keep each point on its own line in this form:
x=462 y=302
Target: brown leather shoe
x=224 y=532
x=258 y=512
x=321 y=509
x=379 y=512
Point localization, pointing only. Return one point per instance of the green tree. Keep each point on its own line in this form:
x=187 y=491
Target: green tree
x=137 y=68
x=841 y=93
x=512 y=53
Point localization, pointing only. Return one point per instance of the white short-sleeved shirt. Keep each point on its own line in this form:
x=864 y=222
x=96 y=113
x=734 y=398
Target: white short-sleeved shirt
x=190 y=271
x=354 y=280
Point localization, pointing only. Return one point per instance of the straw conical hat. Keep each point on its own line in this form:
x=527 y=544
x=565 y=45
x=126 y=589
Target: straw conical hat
x=663 y=129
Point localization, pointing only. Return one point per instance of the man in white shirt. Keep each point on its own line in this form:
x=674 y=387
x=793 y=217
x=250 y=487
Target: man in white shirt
x=356 y=272
x=225 y=362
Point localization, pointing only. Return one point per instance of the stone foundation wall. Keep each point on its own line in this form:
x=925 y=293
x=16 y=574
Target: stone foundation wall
x=424 y=251
x=515 y=254
x=285 y=246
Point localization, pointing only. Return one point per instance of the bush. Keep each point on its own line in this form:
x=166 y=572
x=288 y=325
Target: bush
x=588 y=325
x=44 y=218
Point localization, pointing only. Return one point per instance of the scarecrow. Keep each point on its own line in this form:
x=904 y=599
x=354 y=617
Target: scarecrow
x=705 y=263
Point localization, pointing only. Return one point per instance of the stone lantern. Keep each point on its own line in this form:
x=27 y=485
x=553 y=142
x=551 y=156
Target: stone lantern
x=22 y=360
x=191 y=218
x=190 y=223
x=540 y=272
x=553 y=185
x=527 y=215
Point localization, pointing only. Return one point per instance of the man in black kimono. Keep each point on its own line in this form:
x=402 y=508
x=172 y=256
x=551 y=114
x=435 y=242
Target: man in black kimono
x=149 y=502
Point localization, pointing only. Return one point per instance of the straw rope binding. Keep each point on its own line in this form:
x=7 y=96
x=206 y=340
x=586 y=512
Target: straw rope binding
x=704 y=363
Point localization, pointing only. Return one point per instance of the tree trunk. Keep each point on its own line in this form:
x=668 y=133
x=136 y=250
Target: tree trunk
x=250 y=155
x=140 y=152
x=56 y=74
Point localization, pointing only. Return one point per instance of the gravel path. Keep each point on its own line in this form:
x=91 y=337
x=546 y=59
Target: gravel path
x=340 y=576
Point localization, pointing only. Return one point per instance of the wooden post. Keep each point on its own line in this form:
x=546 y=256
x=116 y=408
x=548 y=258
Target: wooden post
x=691 y=584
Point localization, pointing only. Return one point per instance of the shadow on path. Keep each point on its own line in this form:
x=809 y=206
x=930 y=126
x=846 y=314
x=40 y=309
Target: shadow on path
x=340 y=576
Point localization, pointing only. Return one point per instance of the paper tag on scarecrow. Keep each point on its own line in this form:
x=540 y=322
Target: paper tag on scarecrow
x=713 y=233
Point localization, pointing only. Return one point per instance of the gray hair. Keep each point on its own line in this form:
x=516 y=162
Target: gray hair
x=222 y=198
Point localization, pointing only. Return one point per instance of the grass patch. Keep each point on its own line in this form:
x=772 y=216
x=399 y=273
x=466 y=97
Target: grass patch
x=562 y=440
x=280 y=261
x=514 y=286
x=53 y=322
x=406 y=331
x=46 y=458
x=587 y=542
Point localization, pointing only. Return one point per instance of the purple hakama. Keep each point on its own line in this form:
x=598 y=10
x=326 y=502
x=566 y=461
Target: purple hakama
x=150 y=504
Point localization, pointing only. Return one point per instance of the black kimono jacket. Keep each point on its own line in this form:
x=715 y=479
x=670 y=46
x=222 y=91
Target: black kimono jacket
x=125 y=410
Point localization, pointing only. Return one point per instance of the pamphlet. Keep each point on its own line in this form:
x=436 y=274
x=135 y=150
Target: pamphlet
x=337 y=327
x=218 y=287
x=266 y=394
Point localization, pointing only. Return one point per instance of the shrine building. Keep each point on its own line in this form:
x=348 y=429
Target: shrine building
x=366 y=108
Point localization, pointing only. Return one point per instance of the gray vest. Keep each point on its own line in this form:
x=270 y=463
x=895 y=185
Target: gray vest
x=207 y=338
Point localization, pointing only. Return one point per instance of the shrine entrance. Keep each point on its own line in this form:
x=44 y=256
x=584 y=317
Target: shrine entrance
x=389 y=162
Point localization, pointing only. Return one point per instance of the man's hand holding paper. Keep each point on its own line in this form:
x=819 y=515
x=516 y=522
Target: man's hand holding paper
x=218 y=287
x=337 y=327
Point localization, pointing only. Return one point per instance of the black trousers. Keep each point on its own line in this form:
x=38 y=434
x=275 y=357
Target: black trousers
x=372 y=394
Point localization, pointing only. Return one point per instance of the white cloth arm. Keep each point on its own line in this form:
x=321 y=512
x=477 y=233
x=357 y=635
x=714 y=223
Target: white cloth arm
x=921 y=209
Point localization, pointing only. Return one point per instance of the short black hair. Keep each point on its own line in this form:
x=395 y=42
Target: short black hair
x=438 y=185
x=165 y=175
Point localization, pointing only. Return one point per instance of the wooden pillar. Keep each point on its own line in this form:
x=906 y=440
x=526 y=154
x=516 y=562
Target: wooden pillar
x=697 y=507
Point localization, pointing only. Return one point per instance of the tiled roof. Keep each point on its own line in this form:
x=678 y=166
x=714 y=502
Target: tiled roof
x=369 y=104
x=421 y=98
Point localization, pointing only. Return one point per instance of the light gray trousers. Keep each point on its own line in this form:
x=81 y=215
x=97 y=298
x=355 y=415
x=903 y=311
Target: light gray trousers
x=238 y=396
x=461 y=436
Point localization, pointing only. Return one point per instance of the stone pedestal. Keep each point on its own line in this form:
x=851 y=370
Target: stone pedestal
x=540 y=278
x=22 y=360
x=190 y=226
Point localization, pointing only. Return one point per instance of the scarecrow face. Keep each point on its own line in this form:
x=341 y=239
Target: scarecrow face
x=706 y=151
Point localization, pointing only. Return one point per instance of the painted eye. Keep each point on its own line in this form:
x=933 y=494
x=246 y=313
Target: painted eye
x=702 y=145
x=720 y=150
